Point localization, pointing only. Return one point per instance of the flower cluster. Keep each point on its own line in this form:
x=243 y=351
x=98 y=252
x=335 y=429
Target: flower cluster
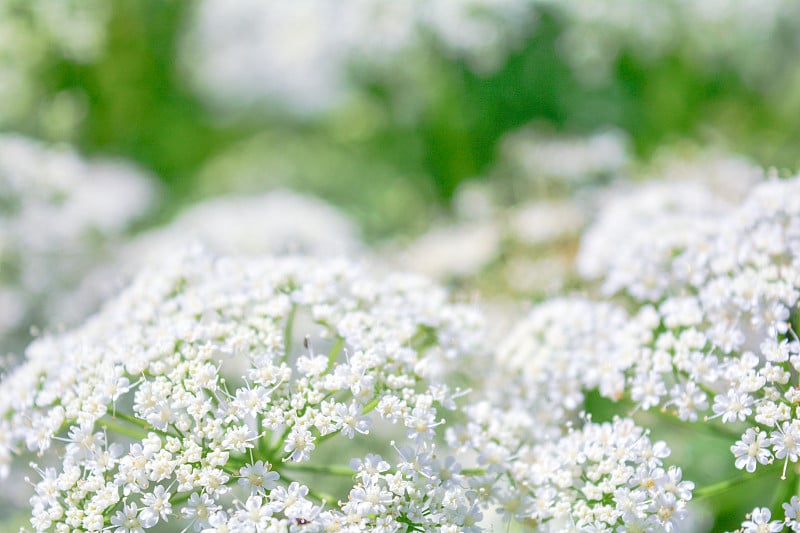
x=58 y=214
x=724 y=345
x=731 y=336
x=547 y=464
x=191 y=395
x=711 y=338
x=601 y=477
x=539 y=157
x=659 y=219
x=566 y=347
x=648 y=225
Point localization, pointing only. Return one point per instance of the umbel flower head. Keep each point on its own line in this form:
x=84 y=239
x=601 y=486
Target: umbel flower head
x=599 y=477
x=723 y=344
x=190 y=398
x=548 y=465
x=714 y=337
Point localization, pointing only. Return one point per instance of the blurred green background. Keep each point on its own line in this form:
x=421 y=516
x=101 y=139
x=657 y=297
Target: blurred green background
x=369 y=156
x=396 y=151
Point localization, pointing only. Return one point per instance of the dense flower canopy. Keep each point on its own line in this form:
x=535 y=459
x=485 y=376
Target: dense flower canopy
x=188 y=382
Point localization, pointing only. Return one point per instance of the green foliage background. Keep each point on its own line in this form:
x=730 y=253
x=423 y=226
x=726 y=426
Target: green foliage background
x=369 y=157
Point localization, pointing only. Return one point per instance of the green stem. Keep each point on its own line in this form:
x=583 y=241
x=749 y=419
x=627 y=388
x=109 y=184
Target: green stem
x=262 y=446
x=712 y=429
x=178 y=499
x=232 y=469
x=281 y=441
x=784 y=491
x=333 y=470
x=322 y=496
x=138 y=422
x=334 y=352
x=287 y=333
x=323 y=438
x=370 y=406
x=132 y=432
x=721 y=487
x=131 y=419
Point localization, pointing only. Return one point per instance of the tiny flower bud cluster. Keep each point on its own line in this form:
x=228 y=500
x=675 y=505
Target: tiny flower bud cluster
x=565 y=347
x=602 y=477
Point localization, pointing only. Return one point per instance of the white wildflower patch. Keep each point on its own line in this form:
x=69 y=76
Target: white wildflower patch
x=724 y=347
x=738 y=35
x=566 y=347
x=31 y=33
x=575 y=161
x=148 y=423
x=638 y=233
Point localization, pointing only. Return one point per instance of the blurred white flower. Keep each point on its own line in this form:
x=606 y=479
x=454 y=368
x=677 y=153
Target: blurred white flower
x=158 y=414
x=279 y=222
x=448 y=252
x=58 y=215
x=743 y=35
x=301 y=54
x=538 y=223
x=540 y=157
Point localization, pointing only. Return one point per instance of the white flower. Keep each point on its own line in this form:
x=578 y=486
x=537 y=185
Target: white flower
x=257 y=477
x=792 y=512
x=751 y=450
x=127 y=520
x=732 y=406
x=299 y=444
x=575 y=160
x=760 y=522
x=156 y=505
